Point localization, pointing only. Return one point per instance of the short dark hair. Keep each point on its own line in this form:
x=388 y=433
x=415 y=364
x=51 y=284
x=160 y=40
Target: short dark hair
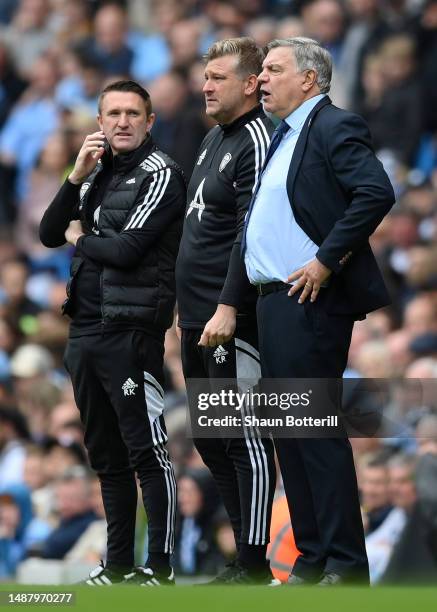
x=250 y=55
x=128 y=86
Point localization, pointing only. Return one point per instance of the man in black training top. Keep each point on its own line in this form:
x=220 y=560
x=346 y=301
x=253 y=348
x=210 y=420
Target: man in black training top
x=122 y=208
x=215 y=301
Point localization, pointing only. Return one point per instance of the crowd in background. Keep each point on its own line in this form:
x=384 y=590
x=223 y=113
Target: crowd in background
x=55 y=57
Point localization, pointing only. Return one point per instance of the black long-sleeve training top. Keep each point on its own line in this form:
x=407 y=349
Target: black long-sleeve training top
x=209 y=268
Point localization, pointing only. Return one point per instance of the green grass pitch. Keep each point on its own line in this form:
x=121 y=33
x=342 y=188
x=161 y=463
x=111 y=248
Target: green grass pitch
x=244 y=599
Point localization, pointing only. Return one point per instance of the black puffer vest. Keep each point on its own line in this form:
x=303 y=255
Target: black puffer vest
x=145 y=294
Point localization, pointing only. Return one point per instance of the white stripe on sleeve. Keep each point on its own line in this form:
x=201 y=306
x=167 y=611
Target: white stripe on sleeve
x=258 y=162
x=151 y=200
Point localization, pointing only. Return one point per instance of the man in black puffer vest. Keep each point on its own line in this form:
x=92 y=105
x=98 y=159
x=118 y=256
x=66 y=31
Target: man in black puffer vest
x=122 y=208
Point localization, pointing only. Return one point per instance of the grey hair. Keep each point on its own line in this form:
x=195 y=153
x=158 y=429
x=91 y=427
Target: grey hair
x=310 y=55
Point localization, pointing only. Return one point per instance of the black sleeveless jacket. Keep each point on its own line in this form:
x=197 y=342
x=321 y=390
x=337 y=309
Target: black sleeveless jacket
x=142 y=294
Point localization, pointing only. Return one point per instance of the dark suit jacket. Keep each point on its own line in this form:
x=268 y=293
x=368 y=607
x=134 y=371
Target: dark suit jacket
x=339 y=193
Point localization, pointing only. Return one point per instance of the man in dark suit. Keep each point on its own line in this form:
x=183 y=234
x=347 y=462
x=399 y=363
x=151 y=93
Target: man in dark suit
x=321 y=194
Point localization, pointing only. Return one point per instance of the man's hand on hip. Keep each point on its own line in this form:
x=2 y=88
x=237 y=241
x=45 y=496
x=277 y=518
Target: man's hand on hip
x=221 y=327
x=87 y=158
x=73 y=232
x=310 y=278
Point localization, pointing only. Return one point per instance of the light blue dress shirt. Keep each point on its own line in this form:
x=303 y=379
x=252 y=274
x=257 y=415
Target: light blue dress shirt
x=276 y=245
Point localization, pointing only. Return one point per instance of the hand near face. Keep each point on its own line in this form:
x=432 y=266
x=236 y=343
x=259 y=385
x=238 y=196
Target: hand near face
x=89 y=154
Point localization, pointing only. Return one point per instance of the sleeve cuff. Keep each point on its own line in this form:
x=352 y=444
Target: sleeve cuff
x=79 y=243
x=71 y=186
x=334 y=266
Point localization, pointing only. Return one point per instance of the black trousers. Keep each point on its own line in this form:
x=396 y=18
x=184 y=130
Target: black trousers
x=304 y=341
x=117 y=382
x=243 y=468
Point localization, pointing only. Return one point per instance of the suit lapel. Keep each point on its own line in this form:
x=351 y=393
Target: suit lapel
x=301 y=144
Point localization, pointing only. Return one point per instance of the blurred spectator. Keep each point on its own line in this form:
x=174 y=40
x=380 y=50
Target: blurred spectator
x=175 y=388
x=412 y=559
x=30 y=364
x=78 y=91
x=13 y=435
x=398 y=13
x=372 y=360
x=32 y=120
x=380 y=323
x=224 y=14
x=44 y=183
x=11 y=85
x=196 y=549
x=91 y=546
x=427 y=39
x=422 y=373
x=109 y=47
x=65 y=425
x=31 y=361
x=362 y=37
x=426 y=476
x=178 y=128
x=72 y=21
x=34 y=474
x=9 y=335
x=420 y=199
x=36 y=402
x=375 y=499
x=74 y=507
x=184 y=43
x=289 y=28
x=393 y=112
x=398 y=343
x=262 y=30
x=61 y=457
x=37 y=480
x=381 y=543
x=425 y=345
x=426 y=436
x=52 y=327
x=282 y=8
x=164 y=14
x=33 y=386
x=224 y=536
x=420 y=315
x=20 y=533
x=29 y=34
x=324 y=20
x=15 y=305
x=422 y=268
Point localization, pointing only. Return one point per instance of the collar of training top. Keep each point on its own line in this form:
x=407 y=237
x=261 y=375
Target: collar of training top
x=123 y=162
x=234 y=125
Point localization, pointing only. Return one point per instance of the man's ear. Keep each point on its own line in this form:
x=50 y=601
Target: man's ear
x=150 y=121
x=310 y=80
x=251 y=85
x=99 y=121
